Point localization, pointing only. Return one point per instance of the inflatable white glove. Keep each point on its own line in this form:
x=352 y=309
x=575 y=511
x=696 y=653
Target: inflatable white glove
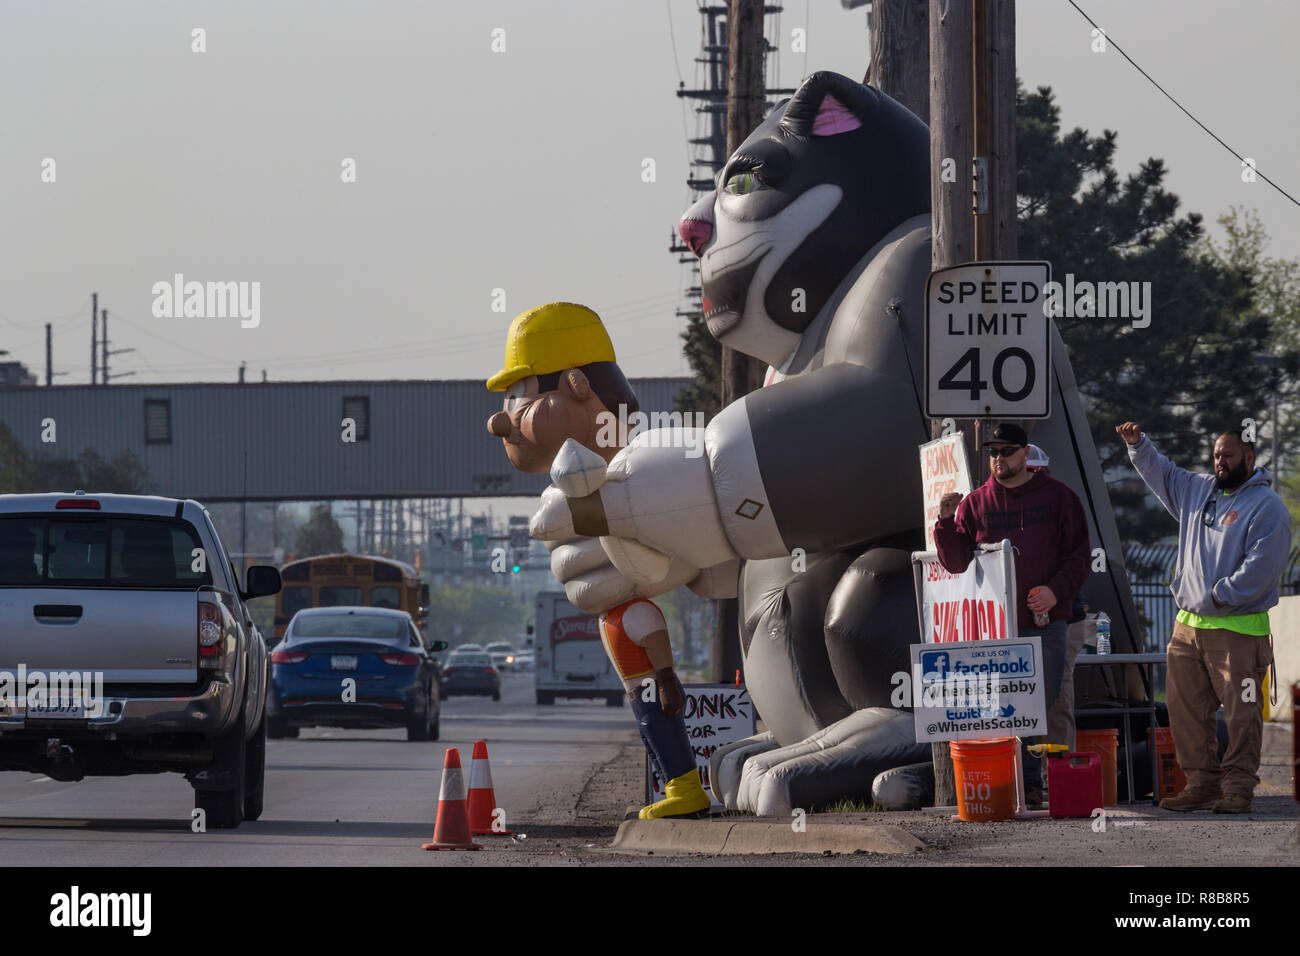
x=655 y=506
x=633 y=500
x=590 y=581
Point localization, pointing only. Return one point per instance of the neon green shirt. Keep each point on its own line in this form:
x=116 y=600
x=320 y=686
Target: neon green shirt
x=1253 y=624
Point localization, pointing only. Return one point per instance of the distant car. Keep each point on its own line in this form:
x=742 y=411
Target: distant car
x=471 y=674
x=395 y=678
x=525 y=661
x=503 y=655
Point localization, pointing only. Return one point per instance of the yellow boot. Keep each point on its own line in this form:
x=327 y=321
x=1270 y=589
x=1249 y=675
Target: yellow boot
x=685 y=797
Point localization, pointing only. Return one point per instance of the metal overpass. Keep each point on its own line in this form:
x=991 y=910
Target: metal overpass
x=285 y=441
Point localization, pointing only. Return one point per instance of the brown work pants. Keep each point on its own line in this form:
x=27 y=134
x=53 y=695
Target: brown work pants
x=1209 y=667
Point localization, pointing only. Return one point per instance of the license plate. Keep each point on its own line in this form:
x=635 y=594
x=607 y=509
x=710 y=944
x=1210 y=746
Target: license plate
x=343 y=662
x=58 y=707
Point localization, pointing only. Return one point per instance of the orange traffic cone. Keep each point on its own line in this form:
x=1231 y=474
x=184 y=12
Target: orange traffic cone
x=451 y=828
x=482 y=801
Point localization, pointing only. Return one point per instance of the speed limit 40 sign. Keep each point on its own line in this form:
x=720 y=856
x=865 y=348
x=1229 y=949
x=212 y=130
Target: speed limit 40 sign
x=987 y=341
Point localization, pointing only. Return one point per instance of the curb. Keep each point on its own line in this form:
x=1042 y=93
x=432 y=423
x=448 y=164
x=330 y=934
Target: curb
x=723 y=838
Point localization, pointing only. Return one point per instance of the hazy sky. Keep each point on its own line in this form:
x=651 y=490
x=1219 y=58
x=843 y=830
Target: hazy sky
x=477 y=170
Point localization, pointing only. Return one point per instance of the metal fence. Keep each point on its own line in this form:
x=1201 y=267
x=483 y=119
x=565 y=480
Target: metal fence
x=1150 y=572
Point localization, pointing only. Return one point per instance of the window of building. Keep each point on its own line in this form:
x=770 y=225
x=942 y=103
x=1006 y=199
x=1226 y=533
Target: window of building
x=357 y=408
x=157 y=421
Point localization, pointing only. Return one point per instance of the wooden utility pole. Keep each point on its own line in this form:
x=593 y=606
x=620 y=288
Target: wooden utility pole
x=900 y=53
x=1002 y=121
x=973 y=172
x=952 y=120
x=953 y=229
x=49 y=354
x=94 y=336
x=994 y=79
x=741 y=374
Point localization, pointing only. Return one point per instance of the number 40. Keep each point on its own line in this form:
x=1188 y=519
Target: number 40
x=976 y=385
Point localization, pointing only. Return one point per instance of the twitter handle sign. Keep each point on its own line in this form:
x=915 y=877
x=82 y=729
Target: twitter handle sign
x=972 y=690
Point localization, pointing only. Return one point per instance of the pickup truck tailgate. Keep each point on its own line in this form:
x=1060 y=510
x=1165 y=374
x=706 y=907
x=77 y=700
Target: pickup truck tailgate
x=130 y=636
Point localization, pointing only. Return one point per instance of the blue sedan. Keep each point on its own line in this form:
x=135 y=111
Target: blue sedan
x=354 y=667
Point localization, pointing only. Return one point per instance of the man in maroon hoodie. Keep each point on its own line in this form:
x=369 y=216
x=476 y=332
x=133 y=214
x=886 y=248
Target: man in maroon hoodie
x=1045 y=523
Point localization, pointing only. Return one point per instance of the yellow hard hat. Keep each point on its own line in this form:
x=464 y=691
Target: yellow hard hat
x=551 y=338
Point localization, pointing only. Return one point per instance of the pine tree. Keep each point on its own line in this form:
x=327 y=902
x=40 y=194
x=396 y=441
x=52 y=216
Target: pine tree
x=15 y=466
x=704 y=354
x=320 y=535
x=1188 y=376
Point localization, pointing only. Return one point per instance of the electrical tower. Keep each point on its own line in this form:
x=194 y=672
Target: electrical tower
x=709 y=144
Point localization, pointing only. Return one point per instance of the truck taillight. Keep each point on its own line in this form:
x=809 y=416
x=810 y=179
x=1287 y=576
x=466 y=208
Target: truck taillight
x=210 y=649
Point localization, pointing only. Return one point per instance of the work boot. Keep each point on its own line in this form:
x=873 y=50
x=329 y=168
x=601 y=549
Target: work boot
x=1190 y=799
x=1233 y=803
x=685 y=798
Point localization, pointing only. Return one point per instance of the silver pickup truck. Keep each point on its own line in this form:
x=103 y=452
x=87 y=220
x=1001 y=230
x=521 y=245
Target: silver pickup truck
x=126 y=647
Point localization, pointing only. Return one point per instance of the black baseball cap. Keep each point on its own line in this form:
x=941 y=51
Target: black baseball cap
x=1008 y=434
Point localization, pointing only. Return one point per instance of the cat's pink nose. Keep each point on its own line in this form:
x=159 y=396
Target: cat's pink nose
x=695 y=233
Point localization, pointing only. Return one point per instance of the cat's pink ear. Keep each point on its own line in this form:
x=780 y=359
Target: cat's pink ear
x=833 y=117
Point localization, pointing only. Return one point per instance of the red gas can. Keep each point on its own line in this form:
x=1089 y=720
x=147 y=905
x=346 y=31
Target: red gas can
x=1074 y=784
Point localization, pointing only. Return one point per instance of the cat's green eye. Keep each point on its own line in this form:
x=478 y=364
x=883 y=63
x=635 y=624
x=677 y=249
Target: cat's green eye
x=743 y=183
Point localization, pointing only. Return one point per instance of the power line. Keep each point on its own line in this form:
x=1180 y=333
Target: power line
x=634 y=310
x=79 y=314
x=672 y=36
x=1188 y=113
x=681 y=82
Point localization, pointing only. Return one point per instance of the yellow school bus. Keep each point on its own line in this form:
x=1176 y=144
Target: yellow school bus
x=331 y=580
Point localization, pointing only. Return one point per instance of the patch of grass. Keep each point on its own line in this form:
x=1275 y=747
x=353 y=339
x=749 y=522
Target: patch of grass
x=852 y=806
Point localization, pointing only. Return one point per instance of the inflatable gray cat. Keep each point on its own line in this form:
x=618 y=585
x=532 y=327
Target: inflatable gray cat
x=804 y=498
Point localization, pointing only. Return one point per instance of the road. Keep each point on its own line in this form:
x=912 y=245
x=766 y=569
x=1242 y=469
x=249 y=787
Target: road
x=564 y=775
x=354 y=797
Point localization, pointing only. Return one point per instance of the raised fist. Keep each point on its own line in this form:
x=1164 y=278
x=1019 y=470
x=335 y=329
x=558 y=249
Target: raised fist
x=1130 y=432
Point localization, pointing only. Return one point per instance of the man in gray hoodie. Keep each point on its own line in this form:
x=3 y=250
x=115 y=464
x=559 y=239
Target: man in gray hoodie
x=1234 y=535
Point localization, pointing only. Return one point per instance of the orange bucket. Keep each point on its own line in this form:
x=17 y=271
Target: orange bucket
x=1172 y=780
x=1104 y=743
x=985 y=775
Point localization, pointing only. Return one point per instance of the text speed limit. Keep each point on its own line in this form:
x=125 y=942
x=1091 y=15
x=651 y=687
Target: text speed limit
x=987 y=341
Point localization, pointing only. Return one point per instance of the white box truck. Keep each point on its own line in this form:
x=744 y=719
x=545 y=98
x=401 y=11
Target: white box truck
x=571 y=660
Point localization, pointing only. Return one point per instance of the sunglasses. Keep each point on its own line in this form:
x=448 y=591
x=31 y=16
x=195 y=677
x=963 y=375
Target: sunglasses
x=1006 y=451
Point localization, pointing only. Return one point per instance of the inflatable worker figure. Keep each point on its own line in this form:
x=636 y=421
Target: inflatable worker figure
x=561 y=382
